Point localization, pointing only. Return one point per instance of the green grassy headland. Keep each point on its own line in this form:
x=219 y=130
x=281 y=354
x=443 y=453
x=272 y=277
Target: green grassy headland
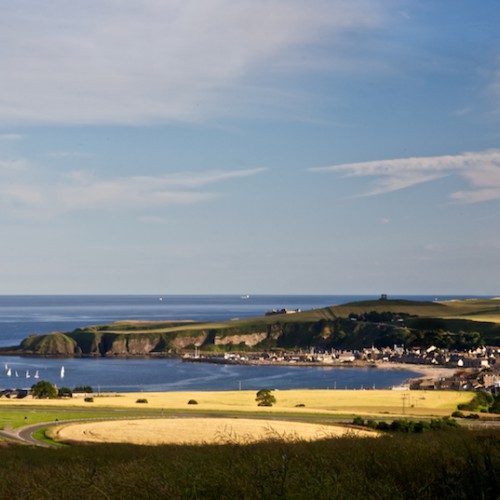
x=465 y=323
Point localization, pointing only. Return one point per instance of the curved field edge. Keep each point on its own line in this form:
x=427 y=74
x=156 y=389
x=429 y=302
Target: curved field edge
x=198 y=430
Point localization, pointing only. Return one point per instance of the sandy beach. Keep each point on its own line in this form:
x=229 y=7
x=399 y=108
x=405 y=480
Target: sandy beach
x=427 y=371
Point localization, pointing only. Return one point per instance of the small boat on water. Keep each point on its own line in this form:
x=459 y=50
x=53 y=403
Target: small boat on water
x=62 y=371
x=28 y=374
x=16 y=374
x=9 y=372
x=36 y=375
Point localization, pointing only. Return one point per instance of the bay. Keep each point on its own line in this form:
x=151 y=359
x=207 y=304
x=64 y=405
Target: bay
x=135 y=375
x=21 y=316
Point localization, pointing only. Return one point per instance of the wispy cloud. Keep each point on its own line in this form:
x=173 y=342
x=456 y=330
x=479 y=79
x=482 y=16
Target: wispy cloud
x=10 y=137
x=95 y=61
x=81 y=191
x=480 y=169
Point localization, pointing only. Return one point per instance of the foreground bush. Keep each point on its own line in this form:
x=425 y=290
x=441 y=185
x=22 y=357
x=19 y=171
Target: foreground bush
x=445 y=465
x=409 y=426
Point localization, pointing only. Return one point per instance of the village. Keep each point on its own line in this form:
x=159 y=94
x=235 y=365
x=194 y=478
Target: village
x=471 y=370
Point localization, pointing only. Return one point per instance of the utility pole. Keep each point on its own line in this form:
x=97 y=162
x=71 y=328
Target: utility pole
x=403 y=398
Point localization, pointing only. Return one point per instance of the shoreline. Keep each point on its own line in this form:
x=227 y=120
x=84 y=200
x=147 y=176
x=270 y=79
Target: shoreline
x=428 y=372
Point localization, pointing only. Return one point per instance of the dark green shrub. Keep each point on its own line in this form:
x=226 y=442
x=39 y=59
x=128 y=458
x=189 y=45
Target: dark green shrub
x=481 y=402
x=401 y=426
x=444 y=423
x=458 y=414
x=89 y=399
x=383 y=426
x=358 y=421
x=142 y=400
x=300 y=405
x=192 y=402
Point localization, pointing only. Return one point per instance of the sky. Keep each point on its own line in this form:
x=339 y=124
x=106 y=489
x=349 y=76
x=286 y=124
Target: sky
x=250 y=147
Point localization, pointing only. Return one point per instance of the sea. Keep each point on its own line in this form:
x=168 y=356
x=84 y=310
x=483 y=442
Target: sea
x=24 y=315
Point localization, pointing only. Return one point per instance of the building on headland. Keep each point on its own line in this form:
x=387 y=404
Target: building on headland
x=282 y=311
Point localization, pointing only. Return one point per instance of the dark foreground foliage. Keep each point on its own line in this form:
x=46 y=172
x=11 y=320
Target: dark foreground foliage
x=409 y=426
x=458 y=465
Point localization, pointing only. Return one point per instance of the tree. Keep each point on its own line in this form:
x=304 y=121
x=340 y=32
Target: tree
x=44 y=390
x=64 y=392
x=265 y=398
x=84 y=388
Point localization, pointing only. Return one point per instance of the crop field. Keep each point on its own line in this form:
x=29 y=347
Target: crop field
x=368 y=402
x=198 y=431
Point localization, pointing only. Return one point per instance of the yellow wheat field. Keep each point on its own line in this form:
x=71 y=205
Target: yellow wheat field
x=368 y=402
x=198 y=431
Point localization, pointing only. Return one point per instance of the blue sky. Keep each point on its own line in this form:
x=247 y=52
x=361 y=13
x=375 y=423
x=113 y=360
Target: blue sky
x=231 y=146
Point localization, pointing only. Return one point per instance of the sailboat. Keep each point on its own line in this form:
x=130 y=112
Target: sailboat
x=28 y=374
x=62 y=371
x=36 y=375
x=17 y=374
x=9 y=372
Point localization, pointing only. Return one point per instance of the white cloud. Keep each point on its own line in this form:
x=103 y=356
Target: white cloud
x=10 y=137
x=10 y=166
x=29 y=195
x=95 y=61
x=480 y=169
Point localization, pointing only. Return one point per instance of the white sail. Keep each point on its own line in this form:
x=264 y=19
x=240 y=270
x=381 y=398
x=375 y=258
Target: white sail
x=36 y=374
x=28 y=374
x=62 y=371
x=17 y=374
x=9 y=372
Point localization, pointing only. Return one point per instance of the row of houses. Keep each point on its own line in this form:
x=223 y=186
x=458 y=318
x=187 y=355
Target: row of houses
x=482 y=357
x=483 y=380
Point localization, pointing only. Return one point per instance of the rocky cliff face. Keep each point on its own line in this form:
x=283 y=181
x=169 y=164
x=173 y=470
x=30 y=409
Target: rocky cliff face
x=183 y=341
x=124 y=345
x=109 y=341
x=250 y=339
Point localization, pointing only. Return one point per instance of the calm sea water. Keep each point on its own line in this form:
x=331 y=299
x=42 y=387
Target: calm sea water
x=21 y=316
